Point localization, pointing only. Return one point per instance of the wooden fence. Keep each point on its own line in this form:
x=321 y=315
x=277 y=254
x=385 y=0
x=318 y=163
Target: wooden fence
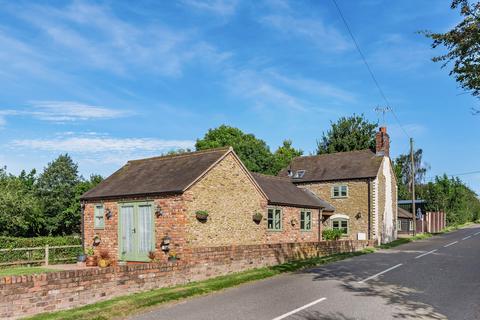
x=32 y=255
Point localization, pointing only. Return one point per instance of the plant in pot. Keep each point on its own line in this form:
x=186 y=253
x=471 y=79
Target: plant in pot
x=91 y=260
x=202 y=215
x=151 y=255
x=81 y=257
x=104 y=260
x=172 y=256
x=257 y=217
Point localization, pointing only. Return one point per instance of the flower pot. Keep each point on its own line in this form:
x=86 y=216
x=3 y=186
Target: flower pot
x=172 y=259
x=202 y=216
x=91 y=261
x=81 y=258
x=103 y=263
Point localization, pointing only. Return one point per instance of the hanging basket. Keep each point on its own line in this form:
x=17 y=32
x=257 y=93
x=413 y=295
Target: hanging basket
x=257 y=217
x=201 y=215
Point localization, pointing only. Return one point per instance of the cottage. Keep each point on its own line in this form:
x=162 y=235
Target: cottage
x=404 y=222
x=179 y=202
x=361 y=185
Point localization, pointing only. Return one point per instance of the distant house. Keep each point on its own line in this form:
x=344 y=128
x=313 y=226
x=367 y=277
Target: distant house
x=159 y=205
x=361 y=185
x=404 y=222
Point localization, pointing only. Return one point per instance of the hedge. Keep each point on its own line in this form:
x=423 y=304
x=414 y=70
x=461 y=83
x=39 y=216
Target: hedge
x=60 y=255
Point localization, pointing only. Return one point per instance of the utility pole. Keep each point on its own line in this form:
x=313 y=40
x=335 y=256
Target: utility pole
x=412 y=168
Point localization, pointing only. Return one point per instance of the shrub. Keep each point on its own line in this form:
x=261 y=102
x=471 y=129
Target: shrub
x=331 y=234
x=61 y=255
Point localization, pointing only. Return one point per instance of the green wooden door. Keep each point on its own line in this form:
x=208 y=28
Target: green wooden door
x=136 y=231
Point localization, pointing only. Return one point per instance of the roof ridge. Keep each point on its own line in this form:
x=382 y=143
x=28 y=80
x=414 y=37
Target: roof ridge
x=335 y=153
x=184 y=154
x=270 y=176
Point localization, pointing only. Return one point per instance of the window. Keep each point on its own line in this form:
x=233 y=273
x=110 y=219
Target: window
x=410 y=225
x=274 y=219
x=340 y=224
x=99 y=220
x=305 y=220
x=340 y=191
x=399 y=225
x=299 y=174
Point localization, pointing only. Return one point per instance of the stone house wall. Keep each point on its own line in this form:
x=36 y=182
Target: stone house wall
x=231 y=198
x=355 y=206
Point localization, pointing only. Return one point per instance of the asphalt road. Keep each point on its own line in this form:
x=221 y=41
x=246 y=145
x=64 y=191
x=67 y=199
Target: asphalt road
x=437 y=278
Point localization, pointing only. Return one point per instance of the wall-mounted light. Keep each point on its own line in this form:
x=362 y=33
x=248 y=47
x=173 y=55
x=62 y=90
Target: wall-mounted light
x=108 y=213
x=166 y=243
x=158 y=211
x=358 y=215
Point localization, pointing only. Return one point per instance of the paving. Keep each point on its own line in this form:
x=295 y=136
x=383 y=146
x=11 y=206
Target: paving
x=436 y=278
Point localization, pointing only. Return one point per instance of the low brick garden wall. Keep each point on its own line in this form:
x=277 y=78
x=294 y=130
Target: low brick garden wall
x=22 y=296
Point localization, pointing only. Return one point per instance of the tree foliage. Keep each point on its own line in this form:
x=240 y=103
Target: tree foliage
x=348 y=134
x=48 y=204
x=284 y=155
x=403 y=172
x=453 y=197
x=463 y=45
x=254 y=152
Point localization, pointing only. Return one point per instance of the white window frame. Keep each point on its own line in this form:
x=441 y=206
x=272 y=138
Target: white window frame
x=410 y=225
x=339 y=188
x=97 y=211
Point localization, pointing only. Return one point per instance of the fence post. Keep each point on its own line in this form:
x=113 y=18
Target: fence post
x=47 y=253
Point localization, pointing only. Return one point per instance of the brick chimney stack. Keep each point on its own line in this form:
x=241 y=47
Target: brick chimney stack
x=382 y=142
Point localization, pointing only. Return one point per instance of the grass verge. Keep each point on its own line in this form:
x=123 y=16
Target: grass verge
x=23 y=271
x=127 y=305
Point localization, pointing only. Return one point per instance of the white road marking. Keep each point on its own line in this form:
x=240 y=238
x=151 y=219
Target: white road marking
x=466 y=238
x=422 y=255
x=450 y=244
x=477 y=233
x=283 y=316
x=380 y=273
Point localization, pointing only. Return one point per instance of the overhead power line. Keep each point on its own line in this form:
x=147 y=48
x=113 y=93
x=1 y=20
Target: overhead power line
x=372 y=75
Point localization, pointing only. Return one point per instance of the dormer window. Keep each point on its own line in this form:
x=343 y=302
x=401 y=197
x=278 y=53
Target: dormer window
x=299 y=174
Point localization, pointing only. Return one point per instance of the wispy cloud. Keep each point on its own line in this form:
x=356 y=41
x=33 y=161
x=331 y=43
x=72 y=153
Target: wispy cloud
x=219 y=7
x=326 y=38
x=94 y=36
x=275 y=90
x=64 y=111
x=101 y=144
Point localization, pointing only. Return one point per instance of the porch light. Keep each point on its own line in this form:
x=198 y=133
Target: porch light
x=358 y=215
x=166 y=240
x=108 y=213
x=166 y=244
x=158 y=211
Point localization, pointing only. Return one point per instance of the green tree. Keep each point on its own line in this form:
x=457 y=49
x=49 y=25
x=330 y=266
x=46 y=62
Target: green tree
x=402 y=168
x=463 y=45
x=348 y=134
x=254 y=152
x=56 y=188
x=20 y=213
x=453 y=197
x=71 y=216
x=284 y=155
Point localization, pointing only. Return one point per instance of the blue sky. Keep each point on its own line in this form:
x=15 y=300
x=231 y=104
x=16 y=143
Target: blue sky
x=112 y=81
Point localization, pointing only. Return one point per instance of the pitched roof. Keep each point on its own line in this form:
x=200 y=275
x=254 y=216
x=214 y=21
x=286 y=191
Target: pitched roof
x=158 y=175
x=405 y=214
x=335 y=166
x=282 y=191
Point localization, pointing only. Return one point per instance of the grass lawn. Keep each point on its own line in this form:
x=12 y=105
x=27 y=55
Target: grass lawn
x=23 y=271
x=127 y=305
